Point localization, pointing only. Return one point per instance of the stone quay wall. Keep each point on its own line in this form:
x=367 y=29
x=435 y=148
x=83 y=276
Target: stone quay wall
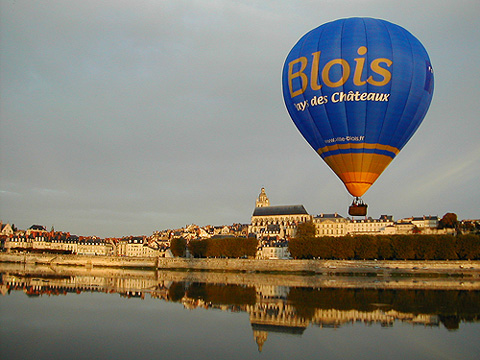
x=79 y=260
x=471 y=268
x=322 y=266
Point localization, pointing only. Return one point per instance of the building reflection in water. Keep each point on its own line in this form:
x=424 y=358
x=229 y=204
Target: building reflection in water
x=271 y=308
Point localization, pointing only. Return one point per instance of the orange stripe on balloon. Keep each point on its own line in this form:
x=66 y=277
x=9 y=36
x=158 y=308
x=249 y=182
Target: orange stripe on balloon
x=358 y=146
x=358 y=171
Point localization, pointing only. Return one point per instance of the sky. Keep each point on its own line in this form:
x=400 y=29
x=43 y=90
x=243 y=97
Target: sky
x=130 y=116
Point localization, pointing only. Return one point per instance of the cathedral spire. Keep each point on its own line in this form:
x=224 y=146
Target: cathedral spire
x=262 y=199
x=260 y=338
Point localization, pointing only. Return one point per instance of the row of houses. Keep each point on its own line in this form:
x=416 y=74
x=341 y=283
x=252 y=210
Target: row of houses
x=275 y=225
x=64 y=245
x=193 y=232
x=38 y=239
x=280 y=222
x=336 y=225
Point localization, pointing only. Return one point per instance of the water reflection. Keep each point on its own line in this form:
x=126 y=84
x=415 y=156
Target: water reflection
x=274 y=304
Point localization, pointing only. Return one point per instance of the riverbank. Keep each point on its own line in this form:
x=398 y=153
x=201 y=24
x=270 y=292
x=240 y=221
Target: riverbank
x=149 y=280
x=345 y=267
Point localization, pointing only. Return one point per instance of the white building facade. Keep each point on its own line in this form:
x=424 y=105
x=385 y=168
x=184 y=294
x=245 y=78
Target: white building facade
x=286 y=217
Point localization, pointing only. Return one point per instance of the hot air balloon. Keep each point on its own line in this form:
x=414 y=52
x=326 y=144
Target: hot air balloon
x=357 y=89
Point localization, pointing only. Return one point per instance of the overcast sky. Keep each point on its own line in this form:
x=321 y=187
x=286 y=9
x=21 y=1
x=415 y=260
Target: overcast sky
x=124 y=117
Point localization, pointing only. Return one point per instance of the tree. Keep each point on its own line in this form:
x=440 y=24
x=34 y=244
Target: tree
x=404 y=247
x=446 y=249
x=384 y=246
x=449 y=220
x=198 y=248
x=365 y=247
x=296 y=247
x=343 y=247
x=305 y=230
x=302 y=245
x=426 y=246
x=177 y=246
x=468 y=247
x=224 y=247
x=323 y=247
x=176 y=292
x=249 y=247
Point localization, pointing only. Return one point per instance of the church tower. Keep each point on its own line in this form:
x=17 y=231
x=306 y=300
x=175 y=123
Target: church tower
x=260 y=338
x=262 y=199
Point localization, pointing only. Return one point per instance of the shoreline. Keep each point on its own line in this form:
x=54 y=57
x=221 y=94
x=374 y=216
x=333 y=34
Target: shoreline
x=272 y=266
x=148 y=280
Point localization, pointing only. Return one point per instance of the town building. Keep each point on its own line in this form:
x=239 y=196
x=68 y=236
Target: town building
x=418 y=225
x=330 y=225
x=94 y=246
x=425 y=222
x=6 y=229
x=337 y=225
x=67 y=244
x=41 y=241
x=274 y=251
x=470 y=226
x=369 y=226
x=285 y=217
x=136 y=246
x=36 y=229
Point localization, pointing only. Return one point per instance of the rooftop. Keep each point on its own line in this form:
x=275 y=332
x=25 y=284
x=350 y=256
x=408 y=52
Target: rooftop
x=280 y=210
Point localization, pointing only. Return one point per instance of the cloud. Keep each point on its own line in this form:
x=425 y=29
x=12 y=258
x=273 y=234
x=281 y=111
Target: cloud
x=171 y=112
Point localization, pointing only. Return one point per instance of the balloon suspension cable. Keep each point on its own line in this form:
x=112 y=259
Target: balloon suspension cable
x=357 y=201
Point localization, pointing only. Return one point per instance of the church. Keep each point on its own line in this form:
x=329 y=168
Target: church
x=276 y=221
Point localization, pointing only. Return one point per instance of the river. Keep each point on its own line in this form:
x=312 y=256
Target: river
x=80 y=313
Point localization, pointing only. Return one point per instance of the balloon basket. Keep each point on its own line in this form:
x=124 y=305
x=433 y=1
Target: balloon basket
x=358 y=208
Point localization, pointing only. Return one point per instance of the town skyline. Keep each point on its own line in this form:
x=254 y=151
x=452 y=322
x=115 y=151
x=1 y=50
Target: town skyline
x=295 y=213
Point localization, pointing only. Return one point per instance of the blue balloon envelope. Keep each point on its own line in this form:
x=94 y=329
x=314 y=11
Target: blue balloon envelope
x=357 y=89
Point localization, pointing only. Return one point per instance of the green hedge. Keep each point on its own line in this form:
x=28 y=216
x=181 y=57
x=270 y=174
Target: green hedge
x=399 y=247
x=223 y=247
